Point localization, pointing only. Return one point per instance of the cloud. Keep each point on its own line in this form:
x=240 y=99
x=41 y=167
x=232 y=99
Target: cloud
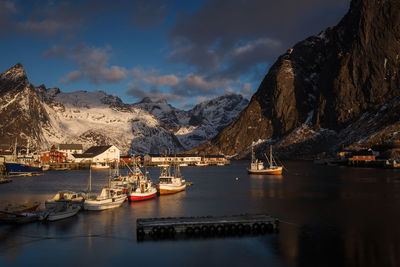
x=46 y=18
x=139 y=93
x=229 y=37
x=196 y=85
x=46 y=26
x=7 y=8
x=245 y=90
x=152 y=78
x=92 y=63
x=149 y=13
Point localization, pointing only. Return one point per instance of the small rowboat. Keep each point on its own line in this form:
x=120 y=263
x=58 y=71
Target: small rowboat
x=18 y=208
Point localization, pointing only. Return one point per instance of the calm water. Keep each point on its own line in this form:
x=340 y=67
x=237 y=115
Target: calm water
x=332 y=216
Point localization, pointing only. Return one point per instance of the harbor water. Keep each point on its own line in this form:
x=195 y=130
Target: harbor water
x=330 y=216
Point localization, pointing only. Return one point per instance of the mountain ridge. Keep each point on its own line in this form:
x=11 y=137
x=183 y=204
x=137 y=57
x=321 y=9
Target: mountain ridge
x=48 y=116
x=316 y=97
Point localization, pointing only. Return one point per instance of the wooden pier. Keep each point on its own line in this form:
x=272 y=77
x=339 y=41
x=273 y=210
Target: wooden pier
x=236 y=225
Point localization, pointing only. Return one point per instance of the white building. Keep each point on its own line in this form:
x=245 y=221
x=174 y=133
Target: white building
x=102 y=154
x=69 y=150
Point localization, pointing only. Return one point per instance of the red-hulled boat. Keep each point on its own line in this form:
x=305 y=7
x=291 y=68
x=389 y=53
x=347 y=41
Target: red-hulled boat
x=143 y=190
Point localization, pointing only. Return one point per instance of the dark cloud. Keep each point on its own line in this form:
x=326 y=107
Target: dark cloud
x=149 y=13
x=231 y=36
x=7 y=9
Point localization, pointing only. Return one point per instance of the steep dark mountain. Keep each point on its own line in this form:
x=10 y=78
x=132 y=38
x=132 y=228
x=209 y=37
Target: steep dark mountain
x=20 y=107
x=338 y=89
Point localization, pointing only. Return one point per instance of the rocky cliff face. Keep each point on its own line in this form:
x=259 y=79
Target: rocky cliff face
x=334 y=90
x=20 y=107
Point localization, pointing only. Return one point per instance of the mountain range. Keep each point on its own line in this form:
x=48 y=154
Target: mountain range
x=339 y=89
x=48 y=116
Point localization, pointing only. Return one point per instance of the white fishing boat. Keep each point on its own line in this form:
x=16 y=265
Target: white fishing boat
x=75 y=198
x=257 y=166
x=171 y=183
x=134 y=175
x=109 y=198
x=63 y=209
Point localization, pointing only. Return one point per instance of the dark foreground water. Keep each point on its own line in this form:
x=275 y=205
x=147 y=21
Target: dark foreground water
x=332 y=216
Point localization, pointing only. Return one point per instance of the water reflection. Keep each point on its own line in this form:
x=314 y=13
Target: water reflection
x=331 y=216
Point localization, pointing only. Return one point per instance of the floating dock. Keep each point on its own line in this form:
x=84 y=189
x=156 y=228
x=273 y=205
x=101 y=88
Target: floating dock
x=235 y=225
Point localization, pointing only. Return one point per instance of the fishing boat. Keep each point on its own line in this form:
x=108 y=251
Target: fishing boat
x=75 y=198
x=134 y=175
x=257 y=166
x=15 y=168
x=23 y=164
x=142 y=189
x=61 y=210
x=100 y=166
x=18 y=208
x=171 y=183
x=109 y=198
x=24 y=217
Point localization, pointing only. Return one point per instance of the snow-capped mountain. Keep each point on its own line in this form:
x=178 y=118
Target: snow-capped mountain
x=49 y=116
x=199 y=124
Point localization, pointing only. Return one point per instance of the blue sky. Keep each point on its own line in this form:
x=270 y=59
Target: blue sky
x=184 y=51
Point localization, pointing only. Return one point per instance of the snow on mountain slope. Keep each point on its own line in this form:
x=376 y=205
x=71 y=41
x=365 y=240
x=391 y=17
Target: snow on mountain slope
x=90 y=117
x=199 y=124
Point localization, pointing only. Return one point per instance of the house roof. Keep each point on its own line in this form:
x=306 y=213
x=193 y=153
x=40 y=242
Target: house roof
x=70 y=146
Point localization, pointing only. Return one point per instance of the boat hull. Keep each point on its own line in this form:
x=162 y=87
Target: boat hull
x=103 y=204
x=19 y=208
x=141 y=196
x=62 y=215
x=275 y=171
x=18 y=168
x=168 y=189
x=19 y=218
x=51 y=204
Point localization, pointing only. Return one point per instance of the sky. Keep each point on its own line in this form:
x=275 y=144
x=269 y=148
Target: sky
x=183 y=51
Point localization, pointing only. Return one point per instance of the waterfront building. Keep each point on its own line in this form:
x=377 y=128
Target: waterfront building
x=101 y=154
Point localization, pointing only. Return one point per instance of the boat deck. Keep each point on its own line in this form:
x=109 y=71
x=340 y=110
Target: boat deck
x=244 y=224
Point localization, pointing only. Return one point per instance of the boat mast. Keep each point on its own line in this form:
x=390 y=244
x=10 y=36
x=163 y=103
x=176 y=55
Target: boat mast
x=15 y=151
x=90 y=177
x=270 y=156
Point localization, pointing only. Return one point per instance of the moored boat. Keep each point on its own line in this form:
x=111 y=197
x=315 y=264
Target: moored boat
x=14 y=168
x=100 y=166
x=75 y=198
x=257 y=166
x=62 y=209
x=142 y=189
x=109 y=198
x=18 y=208
x=171 y=183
